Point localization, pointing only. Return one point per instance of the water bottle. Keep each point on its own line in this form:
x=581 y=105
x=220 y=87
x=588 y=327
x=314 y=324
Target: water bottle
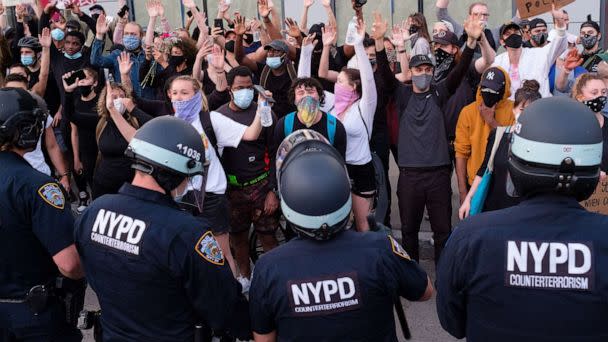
x=265 y=114
x=256 y=36
x=351 y=33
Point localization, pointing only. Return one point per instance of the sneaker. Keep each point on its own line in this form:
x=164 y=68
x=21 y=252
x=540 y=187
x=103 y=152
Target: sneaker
x=245 y=283
x=83 y=199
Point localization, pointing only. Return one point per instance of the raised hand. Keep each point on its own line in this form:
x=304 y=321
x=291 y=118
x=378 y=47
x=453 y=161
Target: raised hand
x=45 y=38
x=558 y=16
x=69 y=88
x=218 y=61
x=152 y=8
x=309 y=40
x=308 y=3
x=264 y=8
x=102 y=25
x=293 y=30
x=330 y=35
x=160 y=8
x=239 y=25
x=50 y=6
x=206 y=50
x=20 y=12
x=379 y=27
x=396 y=37
x=74 y=5
x=473 y=28
x=124 y=63
x=573 y=59
x=189 y=3
x=223 y=7
x=216 y=32
x=360 y=30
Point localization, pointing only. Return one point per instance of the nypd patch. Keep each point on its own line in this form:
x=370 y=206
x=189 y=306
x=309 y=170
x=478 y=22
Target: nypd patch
x=397 y=249
x=209 y=249
x=52 y=194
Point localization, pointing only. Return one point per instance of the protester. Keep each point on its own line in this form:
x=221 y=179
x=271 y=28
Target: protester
x=538 y=33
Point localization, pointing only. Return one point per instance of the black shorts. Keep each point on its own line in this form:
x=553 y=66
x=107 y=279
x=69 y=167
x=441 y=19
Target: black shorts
x=362 y=179
x=216 y=211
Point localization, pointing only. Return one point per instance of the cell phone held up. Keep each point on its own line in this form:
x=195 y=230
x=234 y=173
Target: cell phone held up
x=262 y=91
x=78 y=74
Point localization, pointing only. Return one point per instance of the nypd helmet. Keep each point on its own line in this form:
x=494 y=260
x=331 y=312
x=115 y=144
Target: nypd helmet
x=314 y=186
x=21 y=120
x=557 y=148
x=168 y=146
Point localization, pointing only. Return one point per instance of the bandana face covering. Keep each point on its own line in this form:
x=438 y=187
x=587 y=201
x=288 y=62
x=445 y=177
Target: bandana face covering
x=308 y=110
x=344 y=98
x=445 y=62
x=596 y=104
x=188 y=110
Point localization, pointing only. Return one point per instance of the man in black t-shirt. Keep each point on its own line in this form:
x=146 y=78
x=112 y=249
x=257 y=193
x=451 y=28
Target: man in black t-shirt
x=307 y=117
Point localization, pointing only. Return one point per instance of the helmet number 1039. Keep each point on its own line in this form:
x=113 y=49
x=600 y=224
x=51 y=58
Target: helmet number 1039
x=190 y=152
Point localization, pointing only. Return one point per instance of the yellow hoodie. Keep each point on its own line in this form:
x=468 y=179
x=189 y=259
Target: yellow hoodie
x=472 y=131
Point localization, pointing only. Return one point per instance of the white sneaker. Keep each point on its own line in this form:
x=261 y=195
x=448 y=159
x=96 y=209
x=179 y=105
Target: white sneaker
x=245 y=283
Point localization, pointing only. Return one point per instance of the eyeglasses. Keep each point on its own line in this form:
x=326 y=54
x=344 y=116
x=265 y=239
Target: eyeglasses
x=484 y=15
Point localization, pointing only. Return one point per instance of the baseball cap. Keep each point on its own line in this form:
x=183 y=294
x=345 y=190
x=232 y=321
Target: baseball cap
x=97 y=7
x=537 y=22
x=278 y=45
x=509 y=25
x=493 y=79
x=419 y=60
x=73 y=24
x=446 y=38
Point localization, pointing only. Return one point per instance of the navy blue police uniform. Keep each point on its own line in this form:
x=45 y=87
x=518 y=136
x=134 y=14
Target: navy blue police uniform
x=35 y=224
x=156 y=270
x=309 y=290
x=533 y=272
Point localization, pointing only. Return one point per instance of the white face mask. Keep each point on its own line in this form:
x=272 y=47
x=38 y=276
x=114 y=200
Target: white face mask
x=119 y=106
x=179 y=196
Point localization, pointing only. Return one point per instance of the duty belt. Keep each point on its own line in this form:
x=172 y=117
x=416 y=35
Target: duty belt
x=232 y=180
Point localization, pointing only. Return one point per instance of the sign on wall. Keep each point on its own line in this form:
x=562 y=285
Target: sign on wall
x=530 y=8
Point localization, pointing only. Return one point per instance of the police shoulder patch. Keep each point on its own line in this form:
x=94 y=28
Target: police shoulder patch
x=52 y=194
x=208 y=248
x=397 y=249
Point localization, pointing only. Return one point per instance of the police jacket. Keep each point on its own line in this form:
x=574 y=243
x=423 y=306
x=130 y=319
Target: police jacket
x=35 y=224
x=156 y=270
x=337 y=290
x=533 y=272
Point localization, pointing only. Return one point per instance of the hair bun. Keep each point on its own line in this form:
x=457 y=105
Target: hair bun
x=531 y=85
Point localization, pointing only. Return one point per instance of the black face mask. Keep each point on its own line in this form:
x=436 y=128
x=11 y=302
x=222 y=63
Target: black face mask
x=414 y=29
x=444 y=64
x=229 y=46
x=95 y=16
x=597 y=104
x=176 y=60
x=248 y=38
x=514 y=41
x=490 y=99
x=540 y=39
x=86 y=90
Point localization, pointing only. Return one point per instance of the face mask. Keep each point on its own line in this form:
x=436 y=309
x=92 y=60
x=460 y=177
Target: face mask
x=57 y=34
x=540 y=38
x=274 y=62
x=230 y=46
x=597 y=104
x=413 y=29
x=490 y=99
x=514 y=41
x=308 y=109
x=95 y=17
x=131 y=43
x=344 y=97
x=391 y=56
x=373 y=61
x=27 y=60
x=178 y=197
x=588 y=41
x=243 y=98
x=422 y=82
x=248 y=38
x=188 y=110
x=119 y=106
x=74 y=56
x=445 y=62
x=86 y=90
x=176 y=60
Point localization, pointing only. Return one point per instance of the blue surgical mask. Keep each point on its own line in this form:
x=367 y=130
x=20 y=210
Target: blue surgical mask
x=243 y=98
x=74 y=56
x=131 y=42
x=27 y=60
x=57 y=34
x=188 y=110
x=274 y=62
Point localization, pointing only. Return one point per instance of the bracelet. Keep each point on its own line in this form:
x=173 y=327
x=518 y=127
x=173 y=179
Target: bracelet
x=66 y=174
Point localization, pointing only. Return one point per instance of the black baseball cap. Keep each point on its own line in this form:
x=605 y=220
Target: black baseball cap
x=73 y=24
x=493 y=79
x=446 y=38
x=509 y=25
x=537 y=22
x=419 y=60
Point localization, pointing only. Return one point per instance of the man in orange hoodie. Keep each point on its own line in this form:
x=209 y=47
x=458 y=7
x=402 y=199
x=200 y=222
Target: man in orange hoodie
x=491 y=109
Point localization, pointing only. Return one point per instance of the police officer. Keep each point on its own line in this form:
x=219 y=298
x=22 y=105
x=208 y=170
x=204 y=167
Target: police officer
x=534 y=272
x=329 y=283
x=157 y=270
x=36 y=241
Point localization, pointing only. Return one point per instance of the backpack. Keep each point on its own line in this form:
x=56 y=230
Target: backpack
x=331 y=126
x=205 y=118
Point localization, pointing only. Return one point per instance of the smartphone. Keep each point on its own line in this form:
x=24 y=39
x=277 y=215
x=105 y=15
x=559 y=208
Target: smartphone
x=189 y=13
x=79 y=74
x=107 y=75
x=360 y=3
x=123 y=10
x=262 y=91
x=219 y=23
